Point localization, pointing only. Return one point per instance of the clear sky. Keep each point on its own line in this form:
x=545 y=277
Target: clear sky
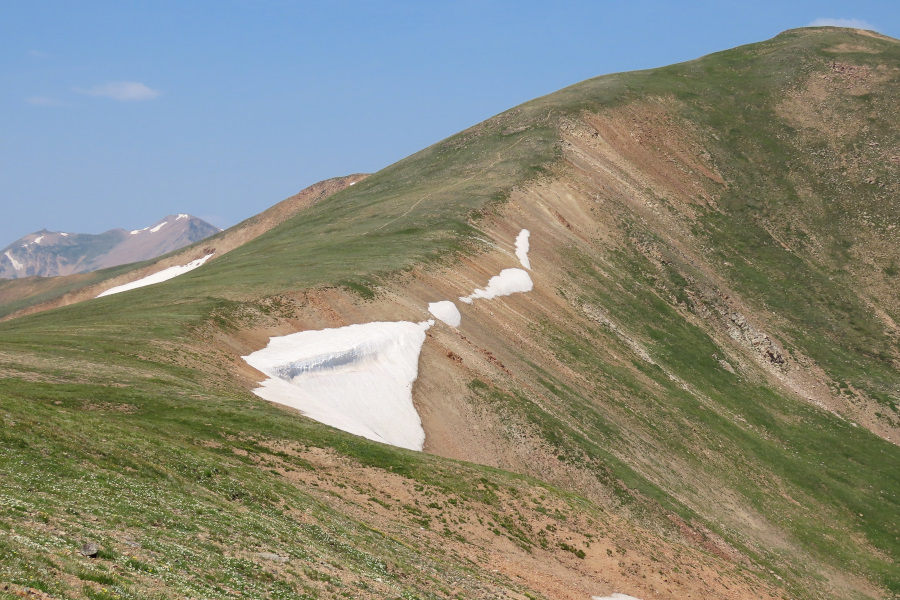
x=116 y=113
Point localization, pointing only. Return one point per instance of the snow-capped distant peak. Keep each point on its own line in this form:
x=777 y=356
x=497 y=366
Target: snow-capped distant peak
x=178 y=217
x=16 y=264
x=47 y=253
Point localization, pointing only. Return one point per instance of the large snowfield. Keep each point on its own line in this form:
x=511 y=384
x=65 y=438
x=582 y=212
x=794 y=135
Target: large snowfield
x=357 y=378
x=157 y=277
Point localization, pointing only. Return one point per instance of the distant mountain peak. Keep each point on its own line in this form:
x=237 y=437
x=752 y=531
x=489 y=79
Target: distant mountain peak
x=156 y=227
x=48 y=253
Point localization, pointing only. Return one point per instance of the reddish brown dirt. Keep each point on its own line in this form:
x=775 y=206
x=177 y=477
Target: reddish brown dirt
x=618 y=557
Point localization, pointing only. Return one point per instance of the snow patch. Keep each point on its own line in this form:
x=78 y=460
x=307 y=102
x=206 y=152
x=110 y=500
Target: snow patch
x=356 y=378
x=446 y=311
x=352 y=183
x=614 y=597
x=139 y=230
x=38 y=239
x=158 y=227
x=64 y=234
x=16 y=264
x=522 y=248
x=157 y=277
x=182 y=216
x=509 y=281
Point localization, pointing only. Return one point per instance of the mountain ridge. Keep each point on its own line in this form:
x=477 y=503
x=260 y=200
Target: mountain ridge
x=53 y=253
x=21 y=297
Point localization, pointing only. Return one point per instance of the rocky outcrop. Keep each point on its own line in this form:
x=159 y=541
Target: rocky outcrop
x=742 y=331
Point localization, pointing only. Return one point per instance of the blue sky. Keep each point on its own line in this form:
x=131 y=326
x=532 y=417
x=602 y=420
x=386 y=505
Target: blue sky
x=114 y=114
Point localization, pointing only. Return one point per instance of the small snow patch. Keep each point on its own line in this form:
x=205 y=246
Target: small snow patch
x=158 y=227
x=136 y=231
x=509 y=281
x=356 y=378
x=522 y=248
x=182 y=216
x=352 y=183
x=446 y=311
x=64 y=234
x=38 y=239
x=157 y=277
x=16 y=264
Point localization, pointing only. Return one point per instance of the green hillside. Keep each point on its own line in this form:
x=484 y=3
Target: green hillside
x=700 y=396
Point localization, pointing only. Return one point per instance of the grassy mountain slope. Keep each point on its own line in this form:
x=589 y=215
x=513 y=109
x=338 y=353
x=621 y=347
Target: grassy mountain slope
x=703 y=381
x=21 y=294
x=36 y=294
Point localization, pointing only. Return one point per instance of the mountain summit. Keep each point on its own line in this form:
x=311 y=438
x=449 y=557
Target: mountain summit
x=50 y=254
